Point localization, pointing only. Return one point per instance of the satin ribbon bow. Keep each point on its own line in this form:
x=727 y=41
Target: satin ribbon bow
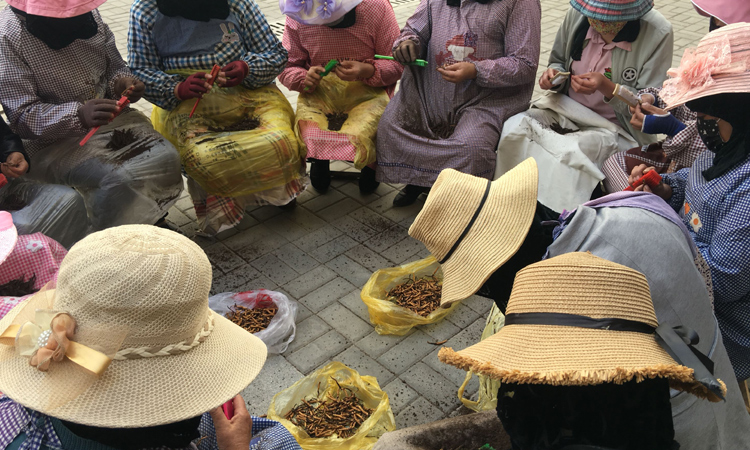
x=48 y=338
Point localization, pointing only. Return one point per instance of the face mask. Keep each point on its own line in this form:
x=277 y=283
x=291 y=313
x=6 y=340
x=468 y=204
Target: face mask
x=708 y=129
x=606 y=28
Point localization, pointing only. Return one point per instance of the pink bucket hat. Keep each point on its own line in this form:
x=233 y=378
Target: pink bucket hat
x=8 y=235
x=728 y=11
x=720 y=65
x=60 y=9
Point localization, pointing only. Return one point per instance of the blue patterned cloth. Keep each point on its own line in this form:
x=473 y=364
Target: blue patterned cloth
x=717 y=214
x=24 y=429
x=249 y=39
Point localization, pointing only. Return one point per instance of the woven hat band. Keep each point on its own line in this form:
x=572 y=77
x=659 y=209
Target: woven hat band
x=168 y=350
x=469 y=225
x=575 y=320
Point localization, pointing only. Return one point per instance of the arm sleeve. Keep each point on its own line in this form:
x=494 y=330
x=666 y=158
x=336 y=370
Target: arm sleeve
x=418 y=28
x=265 y=56
x=558 y=57
x=384 y=31
x=298 y=62
x=145 y=61
x=677 y=181
x=726 y=252
x=522 y=40
x=9 y=143
x=116 y=66
x=29 y=116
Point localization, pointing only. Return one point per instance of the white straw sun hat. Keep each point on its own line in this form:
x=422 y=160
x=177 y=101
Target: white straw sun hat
x=138 y=294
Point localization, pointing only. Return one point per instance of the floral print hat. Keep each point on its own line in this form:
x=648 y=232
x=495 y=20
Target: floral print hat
x=317 y=12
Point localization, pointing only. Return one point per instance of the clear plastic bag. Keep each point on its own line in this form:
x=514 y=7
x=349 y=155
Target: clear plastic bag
x=323 y=380
x=388 y=317
x=235 y=163
x=364 y=104
x=487 y=394
x=283 y=327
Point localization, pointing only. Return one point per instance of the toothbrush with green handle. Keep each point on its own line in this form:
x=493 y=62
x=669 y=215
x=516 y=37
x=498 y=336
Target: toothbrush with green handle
x=416 y=62
x=328 y=68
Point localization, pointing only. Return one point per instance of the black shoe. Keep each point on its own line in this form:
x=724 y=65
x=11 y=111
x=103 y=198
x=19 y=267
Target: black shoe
x=320 y=175
x=367 y=183
x=408 y=195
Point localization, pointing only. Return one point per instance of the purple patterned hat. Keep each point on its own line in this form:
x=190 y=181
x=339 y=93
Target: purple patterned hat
x=317 y=12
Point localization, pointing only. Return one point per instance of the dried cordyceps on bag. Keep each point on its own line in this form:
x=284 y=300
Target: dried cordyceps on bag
x=253 y=320
x=340 y=415
x=421 y=295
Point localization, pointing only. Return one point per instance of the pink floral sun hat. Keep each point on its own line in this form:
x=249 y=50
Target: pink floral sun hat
x=61 y=9
x=8 y=235
x=719 y=65
x=317 y=12
x=728 y=11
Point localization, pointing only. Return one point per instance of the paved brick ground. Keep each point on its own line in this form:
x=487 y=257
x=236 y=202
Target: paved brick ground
x=322 y=253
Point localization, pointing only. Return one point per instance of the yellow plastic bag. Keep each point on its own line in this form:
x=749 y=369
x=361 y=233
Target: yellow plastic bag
x=235 y=163
x=388 y=317
x=487 y=395
x=365 y=387
x=364 y=104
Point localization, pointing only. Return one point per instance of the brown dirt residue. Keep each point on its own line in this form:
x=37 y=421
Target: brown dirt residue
x=121 y=139
x=12 y=203
x=336 y=120
x=246 y=124
x=557 y=128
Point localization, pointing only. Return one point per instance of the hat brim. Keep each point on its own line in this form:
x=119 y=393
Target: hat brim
x=607 y=11
x=146 y=392
x=497 y=234
x=723 y=84
x=56 y=9
x=570 y=356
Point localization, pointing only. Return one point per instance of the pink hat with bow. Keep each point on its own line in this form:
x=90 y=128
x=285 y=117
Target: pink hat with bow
x=728 y=11
x=8 y=235
x=61 y=9
x=719 y=65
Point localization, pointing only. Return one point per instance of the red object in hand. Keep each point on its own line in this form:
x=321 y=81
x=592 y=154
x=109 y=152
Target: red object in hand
x=235 y=71
x=3 y=180
x=651 y=178
x=121 y=104
x=214 y=73
x=228 y=409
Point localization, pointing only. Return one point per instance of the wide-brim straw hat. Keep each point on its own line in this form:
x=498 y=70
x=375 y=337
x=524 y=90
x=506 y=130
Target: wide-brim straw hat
x=60 y=9
x=473 y=226
x=579 y=284
x=176 y=359
x=719 y=65
x=728 y=11
x=8 y=235
x=613 y=10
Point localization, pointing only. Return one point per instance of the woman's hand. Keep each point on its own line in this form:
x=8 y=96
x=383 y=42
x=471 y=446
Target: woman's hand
x=234 y=433
x=312 y=79
x=15 y=165
x=406 y=52
x=592 y=82
x=458 y=72
x=354 y=70
x=663 y=190
x=545 y=81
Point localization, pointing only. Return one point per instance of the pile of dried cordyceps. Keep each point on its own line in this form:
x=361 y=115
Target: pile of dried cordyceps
x=340 y=415
x=253 y=320
x=421 y=295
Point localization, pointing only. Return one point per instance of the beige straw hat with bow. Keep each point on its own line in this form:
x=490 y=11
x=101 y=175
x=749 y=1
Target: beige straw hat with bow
x=577 y=284
x=139 y=298
x=473 y=226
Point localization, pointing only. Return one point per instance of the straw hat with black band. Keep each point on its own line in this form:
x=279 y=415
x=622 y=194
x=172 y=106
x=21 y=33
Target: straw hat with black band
x=144 y=349
x=577 y=320
x=473 y=226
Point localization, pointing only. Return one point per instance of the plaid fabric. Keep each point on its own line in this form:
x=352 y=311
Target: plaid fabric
x=41 y=89
x=613 y=10
x=717 y=214
x=373 y=33
x=39 y=431
x=34 y=254
x=261 y=50
x=324 y=144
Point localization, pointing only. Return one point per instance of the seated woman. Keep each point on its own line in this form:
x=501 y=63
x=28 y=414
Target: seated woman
x=237 y=145
x=359 y=86
x=683 y=144
x=61 y=77
x=482 y=58
x=55 y=210
x=713 y=196
x=151 y=372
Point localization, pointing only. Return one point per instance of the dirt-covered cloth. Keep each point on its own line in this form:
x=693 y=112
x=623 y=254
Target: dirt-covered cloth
x=432 y=124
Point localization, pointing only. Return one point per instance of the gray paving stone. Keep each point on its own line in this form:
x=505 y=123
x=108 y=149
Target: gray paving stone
x=287 y=229
x=266 y=212
x=462 y=315
x=318 y=351
x=178 y=218
x=326 y=294
x=404 y=250
x=222 y=257
x=345 y=322
x=399 y=395
x=468 y=336
x=277 y=374
x=359 y=361
x=332 y=249
x=307 y=331
x=431 y=385
x=253 y=235
x=323 y=201
x=442 y=330
x=372 y=219
x=317 y=238
x=298 y=260
x=407 y=352
x=349 y=270
x=232 y=281
x=354 y=229
x=368 y=258
x=351 y=190
x=386 y=239
x=184 y=204
x=480 y=304
x=454 y=374
x=338 y=210
x=304 y=218
x=275 y=269
x=418 y=412
x=304 y=284
x=375 y=344
x=353 y=302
